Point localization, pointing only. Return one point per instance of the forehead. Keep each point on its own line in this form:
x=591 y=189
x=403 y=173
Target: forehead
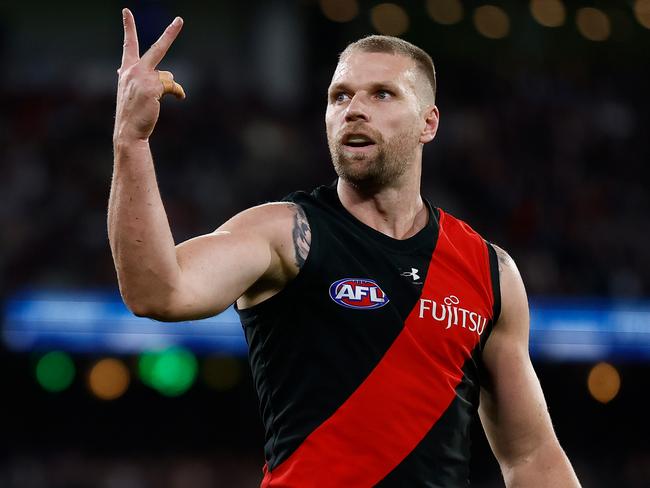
x=359 y=68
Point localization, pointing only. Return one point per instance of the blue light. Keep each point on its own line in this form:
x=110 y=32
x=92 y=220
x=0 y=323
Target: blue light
x=590 y=330
x=99 y=322
x=561 y=329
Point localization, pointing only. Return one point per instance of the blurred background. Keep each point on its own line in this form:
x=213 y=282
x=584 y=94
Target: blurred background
x=542 y=147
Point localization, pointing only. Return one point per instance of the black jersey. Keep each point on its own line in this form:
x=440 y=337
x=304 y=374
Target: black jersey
x=367 y=364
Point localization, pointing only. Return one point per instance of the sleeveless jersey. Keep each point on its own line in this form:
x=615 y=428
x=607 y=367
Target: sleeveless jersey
x=367 y=364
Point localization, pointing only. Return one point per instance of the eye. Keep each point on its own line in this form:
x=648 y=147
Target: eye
x=383 y=94
x=340 y=97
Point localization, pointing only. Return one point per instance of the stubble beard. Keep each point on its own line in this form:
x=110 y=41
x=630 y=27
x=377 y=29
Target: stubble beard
x=388 y=162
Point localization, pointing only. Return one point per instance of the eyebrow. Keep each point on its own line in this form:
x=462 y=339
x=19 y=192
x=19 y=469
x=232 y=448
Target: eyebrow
x=376 y=85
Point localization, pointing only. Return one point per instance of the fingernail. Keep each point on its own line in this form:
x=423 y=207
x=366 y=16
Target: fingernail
x=177 y=21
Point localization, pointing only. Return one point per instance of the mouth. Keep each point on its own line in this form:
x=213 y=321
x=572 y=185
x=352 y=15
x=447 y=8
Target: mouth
x=357 y=142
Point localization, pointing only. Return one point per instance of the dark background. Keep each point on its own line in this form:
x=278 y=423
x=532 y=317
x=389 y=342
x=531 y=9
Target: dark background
x=542 y=147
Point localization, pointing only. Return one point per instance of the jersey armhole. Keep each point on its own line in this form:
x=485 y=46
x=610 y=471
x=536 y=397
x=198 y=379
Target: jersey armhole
x=496 y=283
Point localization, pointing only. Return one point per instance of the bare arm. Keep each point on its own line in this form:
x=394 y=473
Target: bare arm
x=204 y=275
x=513 y=410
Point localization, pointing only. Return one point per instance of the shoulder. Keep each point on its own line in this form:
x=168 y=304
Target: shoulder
x=266 y=214
x=284 y=225
x=512 y=285
x=506 y=263
x=513 y=320
x=272 y=220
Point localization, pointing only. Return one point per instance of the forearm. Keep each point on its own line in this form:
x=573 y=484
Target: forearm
x=141 y=240
x=546 y=467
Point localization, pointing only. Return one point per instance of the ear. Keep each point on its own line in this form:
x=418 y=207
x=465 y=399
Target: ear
x=432 y=116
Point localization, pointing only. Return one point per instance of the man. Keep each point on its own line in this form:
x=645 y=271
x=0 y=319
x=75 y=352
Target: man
x=374 y=320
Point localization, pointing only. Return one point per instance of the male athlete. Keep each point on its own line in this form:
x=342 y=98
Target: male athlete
x=374 y=320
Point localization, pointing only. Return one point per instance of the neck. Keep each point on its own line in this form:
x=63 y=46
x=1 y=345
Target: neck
x=396 y=211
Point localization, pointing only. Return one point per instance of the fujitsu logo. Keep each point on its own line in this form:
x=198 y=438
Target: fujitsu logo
x=451 y=314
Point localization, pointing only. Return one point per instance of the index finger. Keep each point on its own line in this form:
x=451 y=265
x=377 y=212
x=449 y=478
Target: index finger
x=130 y=51
x=159 y=48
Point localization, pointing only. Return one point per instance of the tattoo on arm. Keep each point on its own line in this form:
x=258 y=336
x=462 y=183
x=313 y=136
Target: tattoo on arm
x=502 y=257
x=301 y=236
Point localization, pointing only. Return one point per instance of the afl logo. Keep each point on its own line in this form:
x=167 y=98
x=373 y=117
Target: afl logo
x=358 y=293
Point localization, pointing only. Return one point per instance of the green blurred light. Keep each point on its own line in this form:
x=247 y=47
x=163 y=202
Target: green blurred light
x=145 y=367
x=55 y=371
x=172 y=371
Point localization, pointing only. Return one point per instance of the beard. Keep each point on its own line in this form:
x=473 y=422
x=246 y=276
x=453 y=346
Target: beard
x=383 y=165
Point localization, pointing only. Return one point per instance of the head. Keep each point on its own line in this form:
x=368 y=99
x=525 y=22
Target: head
x=380 y=111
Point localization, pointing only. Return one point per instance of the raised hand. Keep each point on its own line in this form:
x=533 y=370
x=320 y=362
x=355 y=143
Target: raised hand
x=140 y=85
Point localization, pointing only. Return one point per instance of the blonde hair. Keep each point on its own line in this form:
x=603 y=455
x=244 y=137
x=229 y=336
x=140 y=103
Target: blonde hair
x=395 y=45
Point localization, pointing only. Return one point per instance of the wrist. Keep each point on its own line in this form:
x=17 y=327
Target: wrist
x=124 y=140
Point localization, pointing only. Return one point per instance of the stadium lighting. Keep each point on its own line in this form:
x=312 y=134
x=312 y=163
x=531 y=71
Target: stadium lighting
x=389 y=19
x=642 y=12
x=593 y=24
x=549 y=13
x=445 y=12
x=604 y=382
x=171 y=371
x=492 y=21
x=109 y=379
x=339 y=10
x=55 y=371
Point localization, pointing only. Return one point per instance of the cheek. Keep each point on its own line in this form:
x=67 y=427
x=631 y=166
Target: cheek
x=400 y=122
x=330 y=122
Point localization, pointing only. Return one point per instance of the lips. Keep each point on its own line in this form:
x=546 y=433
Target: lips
x=357 y=139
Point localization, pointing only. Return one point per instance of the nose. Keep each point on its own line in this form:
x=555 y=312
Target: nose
x=356 y=110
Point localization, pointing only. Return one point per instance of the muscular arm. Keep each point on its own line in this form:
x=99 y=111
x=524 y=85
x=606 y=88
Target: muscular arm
x=204 y=275
x=251 y=254
x=513 y=410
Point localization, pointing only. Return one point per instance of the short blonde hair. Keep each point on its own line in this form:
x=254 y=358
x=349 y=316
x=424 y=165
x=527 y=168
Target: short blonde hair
x=395 y=45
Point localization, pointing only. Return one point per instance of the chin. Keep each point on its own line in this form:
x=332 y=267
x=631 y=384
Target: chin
x=361 y=169
x=357 y=166
x=361 y=176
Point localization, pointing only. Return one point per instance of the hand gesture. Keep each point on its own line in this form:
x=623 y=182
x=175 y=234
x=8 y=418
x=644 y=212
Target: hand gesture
x=140 y=85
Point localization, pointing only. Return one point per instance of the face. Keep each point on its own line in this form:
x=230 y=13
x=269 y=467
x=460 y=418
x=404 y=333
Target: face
x=375 y=122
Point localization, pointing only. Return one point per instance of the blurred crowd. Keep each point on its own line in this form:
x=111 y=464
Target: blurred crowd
x=75 y=469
